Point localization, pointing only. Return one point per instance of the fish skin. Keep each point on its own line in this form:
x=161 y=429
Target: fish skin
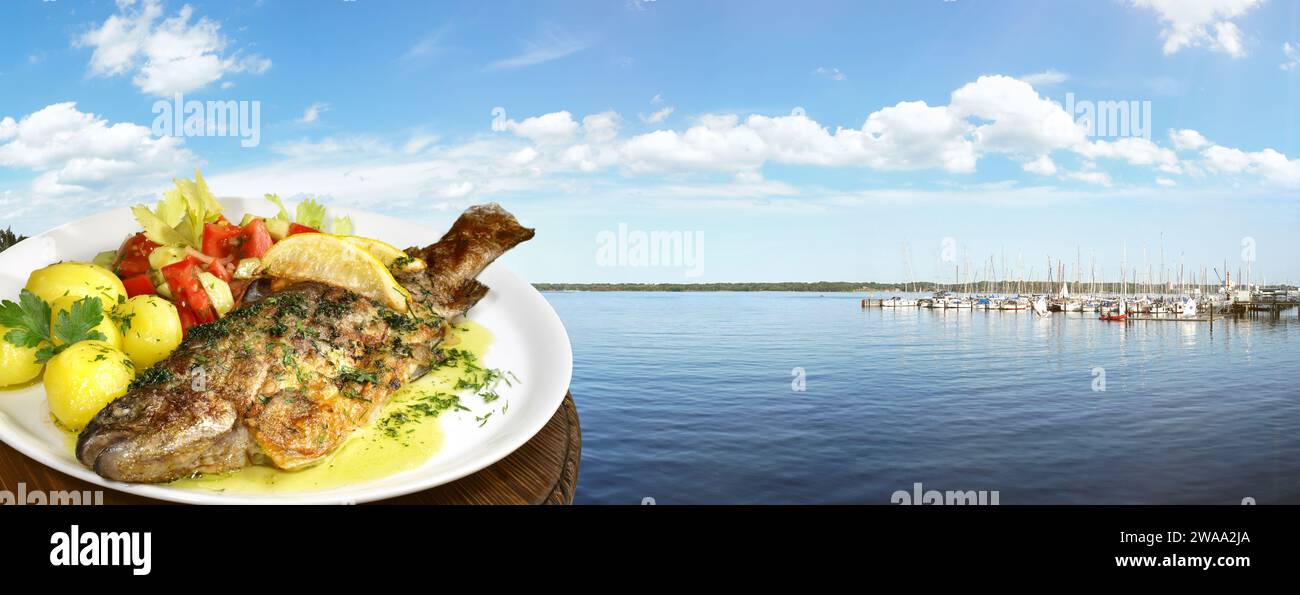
x=285 y=379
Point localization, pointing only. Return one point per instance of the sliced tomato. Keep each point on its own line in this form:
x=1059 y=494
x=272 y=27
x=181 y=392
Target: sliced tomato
x=295 y=228
x=219 y=270
x=256 y=239
x=138 y=285
x=188 y=319
x=133 y=256
x=202 y=306
x=180 y=274
x=219 y=239
x=182 y=278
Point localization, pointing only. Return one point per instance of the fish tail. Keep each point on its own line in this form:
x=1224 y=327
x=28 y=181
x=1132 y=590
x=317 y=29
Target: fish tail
x=481 y=234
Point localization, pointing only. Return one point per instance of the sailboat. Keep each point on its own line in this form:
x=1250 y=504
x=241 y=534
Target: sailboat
x=902 y=302
x=1015 y=303
x=1040 y=306
x=898 y=302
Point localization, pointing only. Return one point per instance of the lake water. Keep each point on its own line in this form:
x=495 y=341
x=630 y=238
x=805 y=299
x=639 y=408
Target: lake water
x=688 y=398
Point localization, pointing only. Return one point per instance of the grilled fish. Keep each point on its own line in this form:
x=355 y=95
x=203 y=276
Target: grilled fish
x=286 y=378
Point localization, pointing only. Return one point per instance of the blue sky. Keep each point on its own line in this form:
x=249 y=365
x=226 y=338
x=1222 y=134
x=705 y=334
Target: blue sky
x=805 y=141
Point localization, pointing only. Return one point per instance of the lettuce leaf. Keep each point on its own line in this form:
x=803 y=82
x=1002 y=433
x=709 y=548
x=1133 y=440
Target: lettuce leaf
x=342 y=226
x=200 y=207
x=284 y=213
x=155 y=228
x=171 y=209
x=311 y=214
x=180 y=215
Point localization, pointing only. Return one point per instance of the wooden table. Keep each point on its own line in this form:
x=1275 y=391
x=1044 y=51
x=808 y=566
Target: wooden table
x=543 y=471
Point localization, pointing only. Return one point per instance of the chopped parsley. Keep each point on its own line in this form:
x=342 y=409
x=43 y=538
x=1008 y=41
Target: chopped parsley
x=347 y=374
x=152 y=376
x=422 y=407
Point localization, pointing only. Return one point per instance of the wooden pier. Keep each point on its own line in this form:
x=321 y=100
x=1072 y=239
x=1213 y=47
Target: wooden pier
x=1263 y=305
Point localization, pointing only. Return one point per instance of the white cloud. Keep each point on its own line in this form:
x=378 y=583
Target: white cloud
x=1016 y=119
x=658 y=98
x=657 y=116
x=1089 y=176
x=524 y=156
x=1135 y=151
x=1043 y=166
x=552 y=45
x=602 y=127
x=1269 y=165
x=1187 y=139
x=910 y=135
x=1200 y=23
x=418 y=143
x=457 y=189
x=728 y=152
x=82 y=156
x=1292 y=53
x=358 y=171
x=1045 y=78
x=554 y=127
x=830 y=73
x=168 y=56
x=313 y=112
x=992 y=115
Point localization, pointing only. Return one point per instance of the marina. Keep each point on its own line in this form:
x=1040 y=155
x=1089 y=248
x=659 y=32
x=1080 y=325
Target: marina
x=1156 y=296
x=1199 y=307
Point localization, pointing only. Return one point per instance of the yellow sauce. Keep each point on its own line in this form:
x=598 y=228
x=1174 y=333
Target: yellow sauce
x=369 y=454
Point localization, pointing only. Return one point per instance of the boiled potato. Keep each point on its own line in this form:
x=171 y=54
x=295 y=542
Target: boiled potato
x=80 y=279
x=153 y=329
x=83 y=378
x=17 y=364
x=112 y=335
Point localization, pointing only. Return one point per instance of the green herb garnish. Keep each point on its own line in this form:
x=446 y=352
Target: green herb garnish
x=29 y=323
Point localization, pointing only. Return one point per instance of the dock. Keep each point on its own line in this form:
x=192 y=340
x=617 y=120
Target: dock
x=1261 y=304
x=1172 y=318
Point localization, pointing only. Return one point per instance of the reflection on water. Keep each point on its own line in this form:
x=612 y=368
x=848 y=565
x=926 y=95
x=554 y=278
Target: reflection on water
x=686 y=397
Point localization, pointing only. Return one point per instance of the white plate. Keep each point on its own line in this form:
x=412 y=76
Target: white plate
x=530 y=341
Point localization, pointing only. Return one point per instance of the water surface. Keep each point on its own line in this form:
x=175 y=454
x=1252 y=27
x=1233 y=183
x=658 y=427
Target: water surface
x=687 y=398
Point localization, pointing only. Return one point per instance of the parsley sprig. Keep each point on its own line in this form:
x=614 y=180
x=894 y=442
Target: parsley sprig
x=28 y=321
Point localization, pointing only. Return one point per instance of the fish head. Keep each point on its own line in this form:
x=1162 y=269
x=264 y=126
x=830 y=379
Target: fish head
x=161 y=433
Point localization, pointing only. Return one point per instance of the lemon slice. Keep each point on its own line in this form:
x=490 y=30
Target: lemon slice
x=396 y=260
x=333 y=260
